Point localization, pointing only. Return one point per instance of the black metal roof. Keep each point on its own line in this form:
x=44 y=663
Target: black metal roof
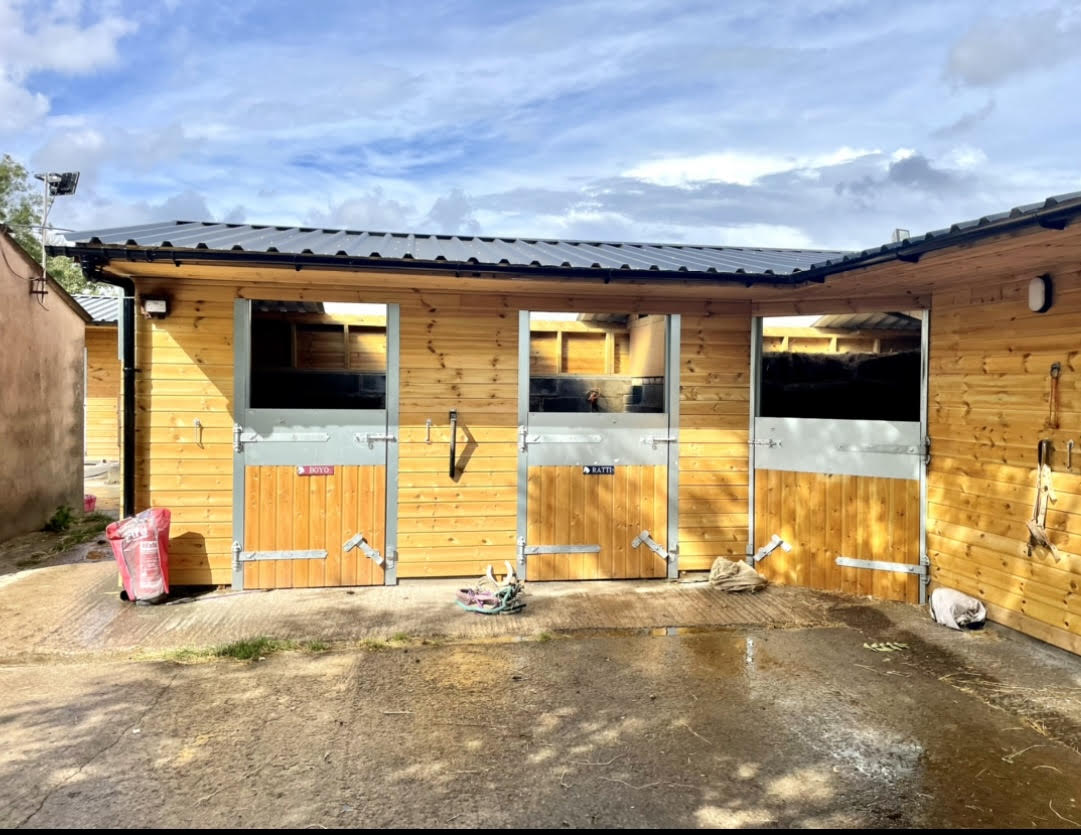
x=869 y=322
x=1053 y=213
x=465 y=250
x=103 y=310
x=192 y=241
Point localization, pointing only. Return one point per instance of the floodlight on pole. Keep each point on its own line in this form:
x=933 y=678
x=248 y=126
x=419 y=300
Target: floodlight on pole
x=54 y=185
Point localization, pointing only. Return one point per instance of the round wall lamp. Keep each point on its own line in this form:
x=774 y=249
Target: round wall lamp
x=1040 y=293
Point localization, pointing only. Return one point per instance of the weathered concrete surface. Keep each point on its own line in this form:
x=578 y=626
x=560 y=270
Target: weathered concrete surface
x=73 y=609
x=604 y=704
x=41 y=398
x=745 y=727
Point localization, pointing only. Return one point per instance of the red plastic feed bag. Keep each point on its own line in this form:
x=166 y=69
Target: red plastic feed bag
x=141 y=546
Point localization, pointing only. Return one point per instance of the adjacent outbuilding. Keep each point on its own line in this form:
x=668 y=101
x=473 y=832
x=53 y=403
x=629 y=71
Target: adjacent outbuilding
x=104 y=406
x=41 y=407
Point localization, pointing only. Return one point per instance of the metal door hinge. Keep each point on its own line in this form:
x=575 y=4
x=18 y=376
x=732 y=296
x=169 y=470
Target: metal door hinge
x=653 y=440
x=291 y=554
x=522 y=438
x=236 y=555
x=645 y=539
x=880 y=565
x=370 y=438
x=236 y=440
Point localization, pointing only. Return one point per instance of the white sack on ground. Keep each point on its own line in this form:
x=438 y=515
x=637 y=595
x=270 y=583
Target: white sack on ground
x=731 y=575
x=951 y=608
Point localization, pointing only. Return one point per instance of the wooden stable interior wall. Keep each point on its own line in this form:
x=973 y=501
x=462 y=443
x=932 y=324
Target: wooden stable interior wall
x=104 y=409
x=990 y=406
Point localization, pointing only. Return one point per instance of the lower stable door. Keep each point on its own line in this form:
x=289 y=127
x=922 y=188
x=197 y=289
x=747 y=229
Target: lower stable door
x=301 y=526
x=585 y=522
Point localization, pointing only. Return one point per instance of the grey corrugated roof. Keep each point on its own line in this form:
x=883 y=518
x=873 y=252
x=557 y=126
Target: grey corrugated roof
x=177 y=240
x=1060 y=207
x=469 y=251
x=869 y=321
x=103 y=310
x=265 y=306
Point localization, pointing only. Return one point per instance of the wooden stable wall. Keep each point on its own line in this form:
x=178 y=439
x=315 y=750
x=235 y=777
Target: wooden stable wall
x=825 y=516
x=104 y=410
x=714 y=405
x=185 y=364
x=456 y=353
x=990 y=393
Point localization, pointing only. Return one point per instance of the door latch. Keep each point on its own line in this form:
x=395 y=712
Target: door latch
x=358 y=541
x=645 y=539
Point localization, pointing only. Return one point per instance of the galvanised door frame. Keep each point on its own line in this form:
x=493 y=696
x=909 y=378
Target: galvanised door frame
x=625 y=438
x=371 y=440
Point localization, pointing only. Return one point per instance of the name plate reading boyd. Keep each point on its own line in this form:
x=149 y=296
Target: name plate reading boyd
x=315 y=469
x=599 y=469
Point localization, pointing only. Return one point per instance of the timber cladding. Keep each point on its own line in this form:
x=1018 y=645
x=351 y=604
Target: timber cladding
x=104 y=410
x=455 y=353
x=185 y=372
x=714 y=405
x=990 y=404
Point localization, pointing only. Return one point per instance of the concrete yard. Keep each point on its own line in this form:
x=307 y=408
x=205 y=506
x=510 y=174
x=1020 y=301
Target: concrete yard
x=606 y=704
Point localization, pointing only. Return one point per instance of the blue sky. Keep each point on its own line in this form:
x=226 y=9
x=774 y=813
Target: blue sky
x=814 y=124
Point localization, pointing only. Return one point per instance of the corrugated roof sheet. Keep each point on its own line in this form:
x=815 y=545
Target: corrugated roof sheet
x=1062 y=204
x=266 y=306
x=469 y=251
x=869 y=321
x=523 y=254
x=103 y=310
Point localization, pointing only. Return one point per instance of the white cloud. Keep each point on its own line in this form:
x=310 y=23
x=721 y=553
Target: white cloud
x=965 y=157
x=737 y=167
x=36 y=37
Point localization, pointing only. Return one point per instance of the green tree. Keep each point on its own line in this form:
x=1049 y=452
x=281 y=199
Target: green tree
x=20 y=209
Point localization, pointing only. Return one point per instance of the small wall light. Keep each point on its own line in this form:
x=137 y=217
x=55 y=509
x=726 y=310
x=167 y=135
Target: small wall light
x=155 y=308
x=1040 y=293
